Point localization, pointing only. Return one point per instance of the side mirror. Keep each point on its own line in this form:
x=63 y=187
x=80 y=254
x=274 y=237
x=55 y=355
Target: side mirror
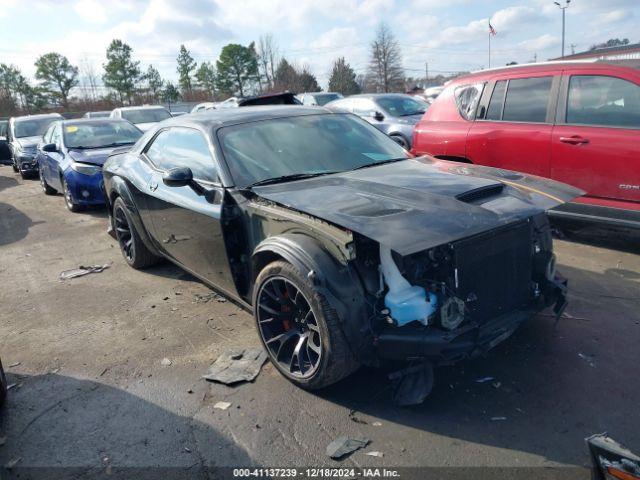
x=378 y=115
x=50 y=147
x=178 y=177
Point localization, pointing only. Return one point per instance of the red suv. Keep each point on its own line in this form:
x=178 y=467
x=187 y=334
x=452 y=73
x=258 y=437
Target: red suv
x=575 y=122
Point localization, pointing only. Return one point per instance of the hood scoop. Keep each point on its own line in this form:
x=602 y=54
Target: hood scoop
x=479 y=195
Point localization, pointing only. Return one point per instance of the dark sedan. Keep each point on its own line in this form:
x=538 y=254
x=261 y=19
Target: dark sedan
x=72 y=153
x=347 y=250
x=23 y=136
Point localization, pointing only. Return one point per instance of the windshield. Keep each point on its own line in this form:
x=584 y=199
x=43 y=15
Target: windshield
x=97 y=114
x=33 y=127
x=398 y=106
x=310 y=144
x=95 y=135
x=146 y=115
x=324 y=98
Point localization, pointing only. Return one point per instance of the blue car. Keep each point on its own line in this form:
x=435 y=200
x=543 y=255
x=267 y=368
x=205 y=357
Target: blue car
x=71 y=155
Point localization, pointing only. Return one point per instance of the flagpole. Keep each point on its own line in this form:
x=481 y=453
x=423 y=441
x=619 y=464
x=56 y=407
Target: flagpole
x=489 y=49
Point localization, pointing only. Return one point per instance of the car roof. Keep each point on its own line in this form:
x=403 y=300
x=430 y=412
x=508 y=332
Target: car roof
x=545 y=66
x=235 y=116
x=142 y=107
x=75 y=121
x=41 y=115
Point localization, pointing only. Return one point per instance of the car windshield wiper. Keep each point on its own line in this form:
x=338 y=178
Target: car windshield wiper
x=391 y=160
x=288 y=178
x=417 y=112
x=86 y=147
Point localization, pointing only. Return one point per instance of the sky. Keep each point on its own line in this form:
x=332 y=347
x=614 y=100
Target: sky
x=449 y=35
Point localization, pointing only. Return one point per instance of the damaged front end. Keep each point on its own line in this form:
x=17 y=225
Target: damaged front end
x=460 y=299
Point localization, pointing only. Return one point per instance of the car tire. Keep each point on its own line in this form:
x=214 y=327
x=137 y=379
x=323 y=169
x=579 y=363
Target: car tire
x=3 y=385
x=68 y=198
x=133 y=249
x=328 y=357
x=400 y=140
x=46 y=188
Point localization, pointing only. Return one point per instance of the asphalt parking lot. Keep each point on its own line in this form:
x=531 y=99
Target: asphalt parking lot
x=92 y=391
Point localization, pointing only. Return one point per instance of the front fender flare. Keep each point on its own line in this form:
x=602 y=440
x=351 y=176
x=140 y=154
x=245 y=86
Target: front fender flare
x=336 y=281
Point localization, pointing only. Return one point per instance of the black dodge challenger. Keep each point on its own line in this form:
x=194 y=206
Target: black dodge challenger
x=347 y=250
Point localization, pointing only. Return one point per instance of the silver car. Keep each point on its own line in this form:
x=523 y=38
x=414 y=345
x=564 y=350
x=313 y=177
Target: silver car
x=393 y=113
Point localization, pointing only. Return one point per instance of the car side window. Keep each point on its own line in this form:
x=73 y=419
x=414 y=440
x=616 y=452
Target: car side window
x=364 y=107
x=48 y=134
x=183 y=147
x=56 y=135
x=527 y=100
x=467 y=98
x=494 y=112
x=603 y=101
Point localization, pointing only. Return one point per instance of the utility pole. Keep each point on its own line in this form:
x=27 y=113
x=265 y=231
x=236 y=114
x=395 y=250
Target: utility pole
x=567 y=2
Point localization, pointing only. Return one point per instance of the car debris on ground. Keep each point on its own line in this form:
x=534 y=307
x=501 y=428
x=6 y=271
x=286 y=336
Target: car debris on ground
x=375 y=454
x=484 y=379
x=222 y=405
x=14 y=365
x=412 y=385
x=343 y=446
x=235 y=366
x=207 y=297
x=82 y=271
x=165 y=362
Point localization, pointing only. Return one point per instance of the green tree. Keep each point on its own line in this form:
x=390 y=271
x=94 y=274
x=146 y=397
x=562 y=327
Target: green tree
x=122 y=73
x=286 y=77
x=612 y=42
x=343 y=78
x=186 y=65
x=206 y=77
x=307 y=81
x=170 y=93
x=16 y=93
x=57 y=76
x=154 y=81
x=237 y=68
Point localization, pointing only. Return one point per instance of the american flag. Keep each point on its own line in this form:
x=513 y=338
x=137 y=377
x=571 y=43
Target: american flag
x=492 y=31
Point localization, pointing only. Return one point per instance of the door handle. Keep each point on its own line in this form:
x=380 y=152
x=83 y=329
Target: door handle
x=153 y=186
x=574 y=140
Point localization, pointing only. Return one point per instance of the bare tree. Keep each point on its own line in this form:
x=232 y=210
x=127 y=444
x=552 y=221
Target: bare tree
x=268 y=60
x=88 y=79
x=385 y=73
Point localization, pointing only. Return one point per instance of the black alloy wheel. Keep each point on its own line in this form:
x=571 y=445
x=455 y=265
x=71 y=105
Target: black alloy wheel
x=124 y=235
x=133 y=249
x=289 y=327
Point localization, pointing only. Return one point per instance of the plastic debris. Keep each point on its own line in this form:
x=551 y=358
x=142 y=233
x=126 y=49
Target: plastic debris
x=375 y=454
x=484 y=379
x=498 y=419
x=10 y=386
x=376 y=424
x=343 y=446
x=587 y=358
x=12 y=463
x=237 y=366
x=354 y=418
x=14 y=364
x=82 y=270
x=222 y=405
x=412 y=385
x=165 y=362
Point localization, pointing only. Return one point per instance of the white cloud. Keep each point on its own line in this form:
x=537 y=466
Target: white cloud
x=539 y=43
x=91 y=11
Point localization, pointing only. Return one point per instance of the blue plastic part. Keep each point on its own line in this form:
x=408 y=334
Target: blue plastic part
x=411 y=304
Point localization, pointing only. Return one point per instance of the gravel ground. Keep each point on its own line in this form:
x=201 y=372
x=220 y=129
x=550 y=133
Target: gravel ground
x=92 y=391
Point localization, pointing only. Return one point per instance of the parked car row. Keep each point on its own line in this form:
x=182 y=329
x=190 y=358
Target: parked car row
x=347 y=248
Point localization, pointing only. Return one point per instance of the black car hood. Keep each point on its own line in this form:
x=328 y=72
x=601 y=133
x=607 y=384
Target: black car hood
x=421 y=203
x=95 y=156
